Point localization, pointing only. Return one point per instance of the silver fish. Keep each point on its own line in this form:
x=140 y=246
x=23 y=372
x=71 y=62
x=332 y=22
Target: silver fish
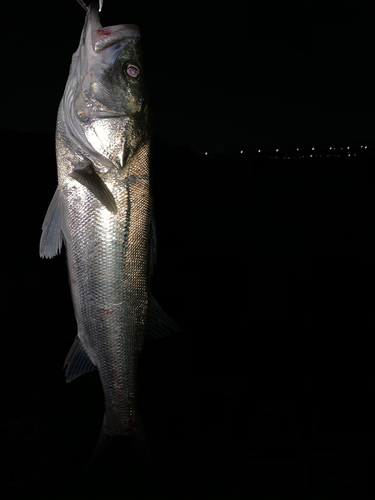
x=102 y=210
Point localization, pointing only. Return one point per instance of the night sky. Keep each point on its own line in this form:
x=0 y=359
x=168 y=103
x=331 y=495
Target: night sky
x=219 y=78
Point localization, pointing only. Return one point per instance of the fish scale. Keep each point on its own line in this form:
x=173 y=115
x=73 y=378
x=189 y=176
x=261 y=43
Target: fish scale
x=113 y=273
x=102 y=211
x=111 y=294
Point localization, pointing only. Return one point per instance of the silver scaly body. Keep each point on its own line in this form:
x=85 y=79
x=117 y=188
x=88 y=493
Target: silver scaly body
x=102 y=210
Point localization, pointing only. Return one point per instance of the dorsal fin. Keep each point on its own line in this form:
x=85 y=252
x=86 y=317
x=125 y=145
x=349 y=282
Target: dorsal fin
x=77 y=361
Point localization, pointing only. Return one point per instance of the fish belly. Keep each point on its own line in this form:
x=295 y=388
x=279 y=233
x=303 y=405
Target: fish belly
x=108 y=270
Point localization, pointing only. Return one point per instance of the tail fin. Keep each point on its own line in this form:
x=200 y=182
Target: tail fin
x=122 y=467
x=119 y=447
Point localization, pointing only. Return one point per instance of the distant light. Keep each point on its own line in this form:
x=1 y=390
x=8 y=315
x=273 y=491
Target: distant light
x=258 y=150
x=297 y=149
x=365 y=147
x=348 y=154
x=277 y=150
x=206 y=153
x=312 y=149
x=241 y=151
x=310 y=156
x=330 y=147
x=361 y=147
x=347 y=147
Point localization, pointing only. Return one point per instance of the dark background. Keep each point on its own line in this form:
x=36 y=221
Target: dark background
x=219 y=76
x=266 y=265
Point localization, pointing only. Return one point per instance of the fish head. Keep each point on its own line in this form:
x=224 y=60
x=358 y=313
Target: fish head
x=105 y=102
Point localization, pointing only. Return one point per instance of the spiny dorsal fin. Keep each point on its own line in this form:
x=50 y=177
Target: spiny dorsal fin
x=52 y=235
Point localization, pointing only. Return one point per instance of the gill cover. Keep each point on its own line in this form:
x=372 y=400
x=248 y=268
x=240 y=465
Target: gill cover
x=84 y=114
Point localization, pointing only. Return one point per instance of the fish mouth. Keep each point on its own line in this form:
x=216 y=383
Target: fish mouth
x=81 y=104
x=101 y=37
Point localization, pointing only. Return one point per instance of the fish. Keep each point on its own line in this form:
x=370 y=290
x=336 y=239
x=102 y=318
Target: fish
x=102 y=211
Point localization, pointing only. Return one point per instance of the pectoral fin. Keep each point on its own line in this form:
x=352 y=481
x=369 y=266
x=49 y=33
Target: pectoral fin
x=90 y=179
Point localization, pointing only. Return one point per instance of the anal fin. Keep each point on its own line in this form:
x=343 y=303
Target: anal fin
x=159 y=324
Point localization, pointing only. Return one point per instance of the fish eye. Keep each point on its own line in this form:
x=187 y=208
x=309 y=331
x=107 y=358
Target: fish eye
x=132 y=70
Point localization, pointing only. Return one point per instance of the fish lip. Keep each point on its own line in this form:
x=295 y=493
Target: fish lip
x=88 y=59
x=104 y=37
